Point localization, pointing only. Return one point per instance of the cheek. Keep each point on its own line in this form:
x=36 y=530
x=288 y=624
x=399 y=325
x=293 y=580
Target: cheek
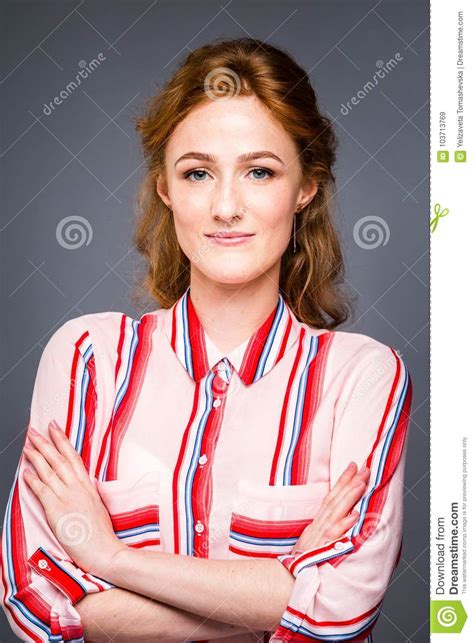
x=276 y=229
x=188 y=226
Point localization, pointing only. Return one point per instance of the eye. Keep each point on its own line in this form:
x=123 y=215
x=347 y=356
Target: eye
x=200 y=174
x=262 y=169
x=194 y=172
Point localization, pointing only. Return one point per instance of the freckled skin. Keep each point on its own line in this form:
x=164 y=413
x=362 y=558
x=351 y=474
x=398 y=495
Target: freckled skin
x=208 y=200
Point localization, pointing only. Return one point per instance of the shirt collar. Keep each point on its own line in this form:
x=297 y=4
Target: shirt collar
x=252 y=359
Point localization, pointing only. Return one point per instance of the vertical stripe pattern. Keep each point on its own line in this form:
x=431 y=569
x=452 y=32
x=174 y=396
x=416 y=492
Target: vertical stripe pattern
x=135 y=344
x=192 y=482
x=24 y=604
x=382 y=461
x=293 y=446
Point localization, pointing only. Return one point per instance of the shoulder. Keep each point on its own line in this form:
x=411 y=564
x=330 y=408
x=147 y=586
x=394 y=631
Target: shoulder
x=98 y=333
x=357 y=353
x=79 y=331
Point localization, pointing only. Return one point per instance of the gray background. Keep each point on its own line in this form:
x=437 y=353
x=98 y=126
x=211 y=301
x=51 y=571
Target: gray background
x=83 y=160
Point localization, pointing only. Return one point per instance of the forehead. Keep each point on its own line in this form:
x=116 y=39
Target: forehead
x=228 y=128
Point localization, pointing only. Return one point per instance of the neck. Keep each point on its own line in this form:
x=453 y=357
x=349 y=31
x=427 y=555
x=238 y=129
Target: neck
x=230 y=313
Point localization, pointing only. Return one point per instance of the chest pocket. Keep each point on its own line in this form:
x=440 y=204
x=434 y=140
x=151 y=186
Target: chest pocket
x=266 y=521
x=133 y=508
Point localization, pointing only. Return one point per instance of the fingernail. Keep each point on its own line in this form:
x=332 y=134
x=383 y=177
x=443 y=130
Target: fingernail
x=33 y=431
x=350 y=465
x=54 y=425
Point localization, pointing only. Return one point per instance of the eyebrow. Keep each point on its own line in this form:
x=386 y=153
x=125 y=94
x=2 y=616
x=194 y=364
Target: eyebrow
x=243 y=158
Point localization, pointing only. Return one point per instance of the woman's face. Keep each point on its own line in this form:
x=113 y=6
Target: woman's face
x=214 y=191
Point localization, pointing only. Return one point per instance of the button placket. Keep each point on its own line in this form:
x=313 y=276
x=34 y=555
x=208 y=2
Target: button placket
x=220 y=384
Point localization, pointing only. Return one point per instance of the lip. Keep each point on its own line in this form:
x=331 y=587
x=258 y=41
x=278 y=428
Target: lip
x=231 y=238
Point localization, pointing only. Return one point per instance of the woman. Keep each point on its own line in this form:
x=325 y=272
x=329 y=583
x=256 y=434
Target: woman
x=229 y=464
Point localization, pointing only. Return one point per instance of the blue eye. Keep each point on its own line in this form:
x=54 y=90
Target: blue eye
x=188 y=174
x=201 y=173
x=262 y=169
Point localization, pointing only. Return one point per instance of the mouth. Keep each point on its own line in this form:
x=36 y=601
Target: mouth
x=230 y=238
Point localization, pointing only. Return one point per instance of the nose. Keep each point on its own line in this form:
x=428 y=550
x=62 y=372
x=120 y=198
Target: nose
x=227 y=204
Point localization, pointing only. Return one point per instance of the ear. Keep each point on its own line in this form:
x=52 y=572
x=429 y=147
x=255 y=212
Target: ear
x=162 y=190
x=306 y=193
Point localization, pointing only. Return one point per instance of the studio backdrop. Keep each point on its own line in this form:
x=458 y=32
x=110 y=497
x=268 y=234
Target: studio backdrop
x=76 y=75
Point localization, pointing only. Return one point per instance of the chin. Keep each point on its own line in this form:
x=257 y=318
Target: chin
x=229 y=276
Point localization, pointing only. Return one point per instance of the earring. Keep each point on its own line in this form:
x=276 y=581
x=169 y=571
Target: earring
x=294 y=233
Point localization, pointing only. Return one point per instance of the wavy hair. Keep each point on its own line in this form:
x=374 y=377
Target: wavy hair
x=311 y=278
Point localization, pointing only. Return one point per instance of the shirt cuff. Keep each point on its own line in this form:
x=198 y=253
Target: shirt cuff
x=72 y=581
x=299 y=560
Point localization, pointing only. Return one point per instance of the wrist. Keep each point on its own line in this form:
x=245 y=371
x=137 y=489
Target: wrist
x=110 y=566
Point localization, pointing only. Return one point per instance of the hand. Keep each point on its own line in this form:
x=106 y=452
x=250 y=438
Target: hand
x=73 y=506
x=334 y=519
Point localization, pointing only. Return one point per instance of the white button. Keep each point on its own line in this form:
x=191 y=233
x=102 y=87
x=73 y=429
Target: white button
x=338 y=545
x=199 y=527
x=203 y=459
x=43 y=564
x=221 y=366
x=216 y=403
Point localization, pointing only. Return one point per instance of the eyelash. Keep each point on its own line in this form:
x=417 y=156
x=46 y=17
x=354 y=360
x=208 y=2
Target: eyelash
x=270 y=172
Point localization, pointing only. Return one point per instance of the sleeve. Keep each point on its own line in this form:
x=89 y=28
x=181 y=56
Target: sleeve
x=339 y=588
x=40 y=583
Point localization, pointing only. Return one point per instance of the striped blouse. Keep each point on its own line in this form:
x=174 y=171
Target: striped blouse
x=224 y=456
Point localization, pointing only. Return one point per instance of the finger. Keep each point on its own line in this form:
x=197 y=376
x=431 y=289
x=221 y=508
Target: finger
x=362 y=476
x=65 y=447
x=348 y=500
x=50 y=474
x=340 y=528
x=42 y=470
x=58 y=463
x=344 y=479
x=43 y=492
x=331 y=508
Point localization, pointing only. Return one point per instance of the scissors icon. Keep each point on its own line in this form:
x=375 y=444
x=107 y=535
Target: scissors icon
x=438 y=214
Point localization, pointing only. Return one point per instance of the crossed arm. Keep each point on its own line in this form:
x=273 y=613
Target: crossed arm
x=326 y=600
x=125 y=617
x=231 y=603
x=212 y=596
